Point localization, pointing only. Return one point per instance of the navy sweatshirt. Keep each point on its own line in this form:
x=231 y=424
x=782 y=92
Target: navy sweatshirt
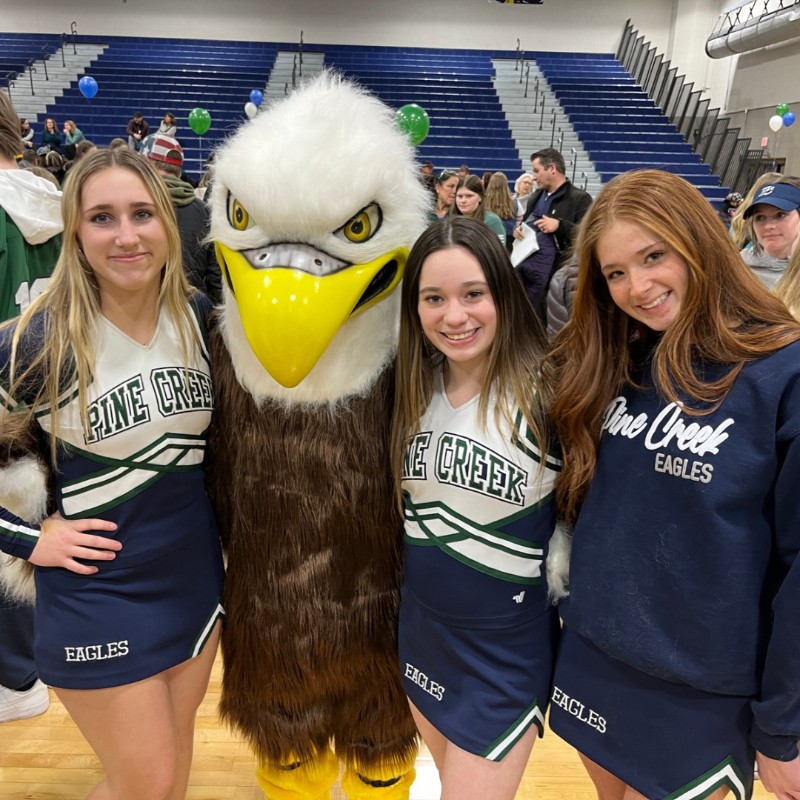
x=684 y=561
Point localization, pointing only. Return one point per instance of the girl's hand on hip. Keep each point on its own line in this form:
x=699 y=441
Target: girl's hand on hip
x=61 y=541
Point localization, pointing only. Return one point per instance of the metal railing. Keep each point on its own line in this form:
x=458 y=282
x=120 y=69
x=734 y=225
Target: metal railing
x=705 y=129
x=47 y=50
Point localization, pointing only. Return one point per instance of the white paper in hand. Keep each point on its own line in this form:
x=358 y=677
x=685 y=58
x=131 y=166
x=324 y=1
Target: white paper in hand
x=524 y=247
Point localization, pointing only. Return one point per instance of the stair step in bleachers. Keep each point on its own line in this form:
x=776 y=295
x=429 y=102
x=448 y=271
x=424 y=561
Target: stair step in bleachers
x=622 y=151
x=534 y=130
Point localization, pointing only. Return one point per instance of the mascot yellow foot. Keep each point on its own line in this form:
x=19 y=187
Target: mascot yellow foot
x=378 y=782
x=312 y=780
x=306 y=780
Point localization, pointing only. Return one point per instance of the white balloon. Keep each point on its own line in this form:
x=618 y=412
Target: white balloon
x=776 y=122
x=251 y=110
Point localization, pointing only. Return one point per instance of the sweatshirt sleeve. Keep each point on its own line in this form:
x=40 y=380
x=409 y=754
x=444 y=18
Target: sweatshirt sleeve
x=17 y=537
x=776 y=710
x=21 y=483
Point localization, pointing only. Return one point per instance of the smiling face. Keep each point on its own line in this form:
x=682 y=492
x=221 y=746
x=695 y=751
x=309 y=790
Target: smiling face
x=122 y=235
x=456 y=309
x=646 y=279
x=775 y=230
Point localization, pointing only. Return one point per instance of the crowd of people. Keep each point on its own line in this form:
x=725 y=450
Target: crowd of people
x=548 y=216
x=622 y=519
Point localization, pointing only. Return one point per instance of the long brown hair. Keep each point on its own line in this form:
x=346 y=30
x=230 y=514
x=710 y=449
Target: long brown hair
x=727 y=317
x=70 y=307
x=474 y=184
x=10 y=143
x=513 y=366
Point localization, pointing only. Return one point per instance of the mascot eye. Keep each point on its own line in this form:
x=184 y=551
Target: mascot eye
x=363 y=225
x=237 y=214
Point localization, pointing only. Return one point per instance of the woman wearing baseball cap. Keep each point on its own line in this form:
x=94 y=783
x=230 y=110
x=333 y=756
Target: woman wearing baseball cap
x=774 y=221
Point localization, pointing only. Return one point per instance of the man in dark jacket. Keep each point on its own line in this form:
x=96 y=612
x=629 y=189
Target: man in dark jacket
x=138 y=128
x=554 y=211
x=199 y=259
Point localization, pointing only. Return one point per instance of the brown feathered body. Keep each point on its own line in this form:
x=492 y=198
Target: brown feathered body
x=305 y=504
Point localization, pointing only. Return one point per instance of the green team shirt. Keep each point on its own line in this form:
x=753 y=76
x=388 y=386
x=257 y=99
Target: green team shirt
x=25 y=268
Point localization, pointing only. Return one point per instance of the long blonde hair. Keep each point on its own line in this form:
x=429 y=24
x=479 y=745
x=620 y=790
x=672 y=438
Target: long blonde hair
x=513 y=367
x=741 y=228
x=69 y=309
x=498 y=199
x=788 y=287
x=726 y=317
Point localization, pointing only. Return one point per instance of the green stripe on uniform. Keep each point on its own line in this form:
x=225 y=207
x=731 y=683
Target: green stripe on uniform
x=505 y=743
x=726 y=773
x=208 y=627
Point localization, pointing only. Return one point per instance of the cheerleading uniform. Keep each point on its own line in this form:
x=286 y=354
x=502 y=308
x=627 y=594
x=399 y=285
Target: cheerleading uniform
x=685 y=584
x=139 y=463
x=477 y=636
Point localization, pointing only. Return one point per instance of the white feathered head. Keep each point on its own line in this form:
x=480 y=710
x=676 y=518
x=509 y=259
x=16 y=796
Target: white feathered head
x=315 y=204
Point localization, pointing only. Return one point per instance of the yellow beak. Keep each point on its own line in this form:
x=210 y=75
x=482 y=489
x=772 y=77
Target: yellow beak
x=291 y=315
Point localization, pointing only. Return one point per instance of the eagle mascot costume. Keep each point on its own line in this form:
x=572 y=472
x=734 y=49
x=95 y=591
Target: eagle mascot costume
x=314 y=206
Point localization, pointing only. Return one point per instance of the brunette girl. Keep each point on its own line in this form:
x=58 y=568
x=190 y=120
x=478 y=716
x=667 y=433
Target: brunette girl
x=470 y=203
x=471 y=458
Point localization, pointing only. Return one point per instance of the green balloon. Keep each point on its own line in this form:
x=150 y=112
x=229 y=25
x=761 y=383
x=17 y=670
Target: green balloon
x=413 y=120
x=781 y=109
x=199 y=120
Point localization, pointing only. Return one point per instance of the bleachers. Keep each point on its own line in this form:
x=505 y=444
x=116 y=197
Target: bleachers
x=159 y=75
x=17 y=50
x=455 y=88
x=611 y=106
x=619 y=125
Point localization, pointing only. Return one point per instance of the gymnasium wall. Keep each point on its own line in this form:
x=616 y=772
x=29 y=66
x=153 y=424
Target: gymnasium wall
x=761 y=80
x=586 y=25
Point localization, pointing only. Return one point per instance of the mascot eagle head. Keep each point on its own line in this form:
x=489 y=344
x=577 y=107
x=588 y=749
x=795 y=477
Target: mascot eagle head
x=315 y=204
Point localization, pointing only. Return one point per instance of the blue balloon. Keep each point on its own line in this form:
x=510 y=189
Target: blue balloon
x=88 y=86
x=257 y=97
x=789 y=118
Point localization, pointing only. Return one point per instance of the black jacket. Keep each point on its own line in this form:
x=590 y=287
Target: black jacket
x=199 y=257
x=568 y=206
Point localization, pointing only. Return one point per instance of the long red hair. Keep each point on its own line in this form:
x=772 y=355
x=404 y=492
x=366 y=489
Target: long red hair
x=727 y=317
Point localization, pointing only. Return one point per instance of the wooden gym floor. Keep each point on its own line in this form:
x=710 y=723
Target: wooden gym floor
x=46 y=758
